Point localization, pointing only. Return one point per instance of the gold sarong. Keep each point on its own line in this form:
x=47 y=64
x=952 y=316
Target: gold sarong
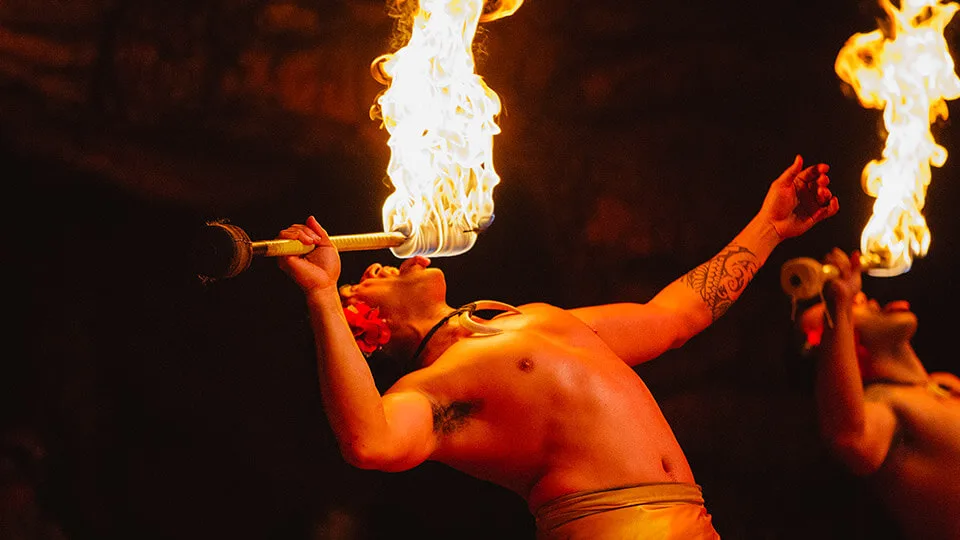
x=663 y=511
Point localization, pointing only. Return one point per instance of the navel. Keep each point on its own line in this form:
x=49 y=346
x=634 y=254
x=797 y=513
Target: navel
x=525 y=365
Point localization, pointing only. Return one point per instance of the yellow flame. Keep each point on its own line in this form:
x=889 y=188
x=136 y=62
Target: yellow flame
x=441 y=118
x=498 y=9
x=906 y=70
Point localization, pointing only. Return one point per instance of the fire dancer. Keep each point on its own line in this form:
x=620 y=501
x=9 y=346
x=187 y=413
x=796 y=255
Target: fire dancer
x=538 y=399
x=881 y=414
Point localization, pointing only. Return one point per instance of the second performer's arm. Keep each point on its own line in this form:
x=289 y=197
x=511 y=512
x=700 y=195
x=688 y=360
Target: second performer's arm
x=859 y=432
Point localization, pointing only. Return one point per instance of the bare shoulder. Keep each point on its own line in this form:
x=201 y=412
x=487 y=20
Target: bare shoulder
x=926 y=410
x=536 y=308
x=416 y=381
x=549 y=316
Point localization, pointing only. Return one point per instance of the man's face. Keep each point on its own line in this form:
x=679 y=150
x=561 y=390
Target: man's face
x=388 y=287
x=874 y=326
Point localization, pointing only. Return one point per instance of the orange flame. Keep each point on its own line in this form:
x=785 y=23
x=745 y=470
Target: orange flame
x=441 y=120
x=907 y=71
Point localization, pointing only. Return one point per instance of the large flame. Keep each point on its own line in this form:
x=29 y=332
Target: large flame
x=906 y=70
x=441 y=119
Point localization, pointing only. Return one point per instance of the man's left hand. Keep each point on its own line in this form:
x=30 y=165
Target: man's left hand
x=799 y=199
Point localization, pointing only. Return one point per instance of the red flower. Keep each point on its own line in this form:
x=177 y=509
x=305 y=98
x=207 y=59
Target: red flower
x=812 y=326
x=814 y=335
x=370 y=331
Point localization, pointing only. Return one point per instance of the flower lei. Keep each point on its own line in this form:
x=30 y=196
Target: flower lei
x=369 y=330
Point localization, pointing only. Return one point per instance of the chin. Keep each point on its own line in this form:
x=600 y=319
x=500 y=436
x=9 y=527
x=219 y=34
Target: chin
x=892 y=327
x=906 y=322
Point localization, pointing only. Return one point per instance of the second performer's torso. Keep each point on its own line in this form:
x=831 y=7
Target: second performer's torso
x=918 y=478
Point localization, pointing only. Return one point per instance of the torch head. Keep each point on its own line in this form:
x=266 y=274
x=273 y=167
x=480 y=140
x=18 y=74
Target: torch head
x=803 y=278
x=221 y=250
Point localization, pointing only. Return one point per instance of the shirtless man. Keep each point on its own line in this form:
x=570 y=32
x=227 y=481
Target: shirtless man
x=538 y=399
x=880 y=412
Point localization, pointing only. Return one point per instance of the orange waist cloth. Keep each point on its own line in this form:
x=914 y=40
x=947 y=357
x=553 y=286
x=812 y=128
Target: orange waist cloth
x=667 y=511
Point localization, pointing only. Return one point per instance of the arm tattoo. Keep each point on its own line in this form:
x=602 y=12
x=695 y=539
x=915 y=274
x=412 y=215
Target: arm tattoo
x=450 y=418
x=720 y=280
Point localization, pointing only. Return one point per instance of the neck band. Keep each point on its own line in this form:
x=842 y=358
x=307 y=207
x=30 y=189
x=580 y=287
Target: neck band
x=466 y=319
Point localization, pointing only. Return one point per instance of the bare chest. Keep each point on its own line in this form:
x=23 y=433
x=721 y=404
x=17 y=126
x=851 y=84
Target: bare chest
x=929 y=417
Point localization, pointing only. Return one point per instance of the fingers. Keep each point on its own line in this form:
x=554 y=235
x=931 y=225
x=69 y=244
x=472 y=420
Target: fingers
x=855 y=264
x=310 y=233
x=848 y=265
x=823 y=196
x=788 y=175
x=815 y=175
x=797 y=162
x=315 y=226
x=838 y=258
x=302 y=233
x=812 y=187
x=827 y=210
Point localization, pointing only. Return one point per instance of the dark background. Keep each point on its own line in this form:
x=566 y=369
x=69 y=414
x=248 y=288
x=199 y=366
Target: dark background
x=139 y=401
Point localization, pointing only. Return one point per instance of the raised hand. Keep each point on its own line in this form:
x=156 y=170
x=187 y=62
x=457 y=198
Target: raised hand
x=799 y=199
x=845 y=290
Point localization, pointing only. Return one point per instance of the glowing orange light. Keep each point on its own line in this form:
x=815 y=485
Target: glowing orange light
x=441 y=119
x=907 y=71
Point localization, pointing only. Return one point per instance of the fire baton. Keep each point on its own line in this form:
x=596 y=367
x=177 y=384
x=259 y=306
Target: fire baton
x=224 y=250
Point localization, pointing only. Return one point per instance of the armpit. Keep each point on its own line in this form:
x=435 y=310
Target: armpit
x=452 y=417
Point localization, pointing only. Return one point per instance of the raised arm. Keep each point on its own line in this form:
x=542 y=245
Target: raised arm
x=389 y=433
x=858 y=432
x=796 y=201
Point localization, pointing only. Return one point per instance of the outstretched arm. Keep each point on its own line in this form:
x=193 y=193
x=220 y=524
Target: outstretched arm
x=858 y=431
x=390 y=433
x=796 y=201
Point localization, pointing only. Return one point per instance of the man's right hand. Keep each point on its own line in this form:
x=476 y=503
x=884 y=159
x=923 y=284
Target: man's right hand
x=842 y=292
x=317 y=270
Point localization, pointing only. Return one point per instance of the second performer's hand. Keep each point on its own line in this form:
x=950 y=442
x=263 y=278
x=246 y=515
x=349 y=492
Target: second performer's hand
x=843 y=291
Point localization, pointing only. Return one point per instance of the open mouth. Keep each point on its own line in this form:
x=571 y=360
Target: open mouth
x=415 y=262
x=897 y=306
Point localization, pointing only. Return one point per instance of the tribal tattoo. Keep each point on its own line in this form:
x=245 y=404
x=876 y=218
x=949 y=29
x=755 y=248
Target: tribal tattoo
x=720 y=280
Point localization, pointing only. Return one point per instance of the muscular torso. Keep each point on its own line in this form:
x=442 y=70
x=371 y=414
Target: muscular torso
x=919 y=478
x=546 y=409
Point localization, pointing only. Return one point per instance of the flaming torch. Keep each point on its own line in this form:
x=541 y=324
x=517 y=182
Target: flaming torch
x=441 y=119
x=905 y=69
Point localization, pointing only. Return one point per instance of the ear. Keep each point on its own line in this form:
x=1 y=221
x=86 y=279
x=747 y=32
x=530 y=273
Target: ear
x=347 y=294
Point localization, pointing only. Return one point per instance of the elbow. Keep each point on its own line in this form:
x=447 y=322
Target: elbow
x=372 y=457
x=850 y=452
x=363 y=456
x=687 y=326
x=679 y=341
